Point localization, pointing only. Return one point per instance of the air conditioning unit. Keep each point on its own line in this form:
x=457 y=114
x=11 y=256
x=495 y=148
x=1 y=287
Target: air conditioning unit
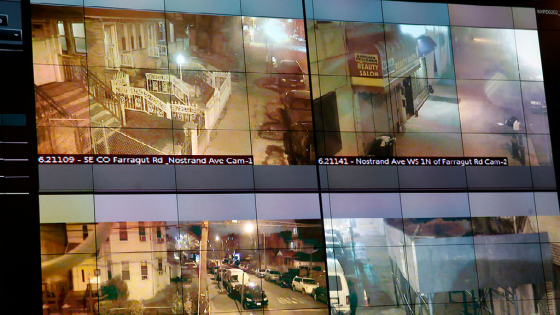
x=142 y=238
x=160 y=240
x=144 y=277
x=160 y=272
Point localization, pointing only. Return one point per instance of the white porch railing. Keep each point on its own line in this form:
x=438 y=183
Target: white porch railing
x=216 y=104
x=127 y=60
x=188 y=113
x=170 y=84
x=120 y=79
x=140 y=99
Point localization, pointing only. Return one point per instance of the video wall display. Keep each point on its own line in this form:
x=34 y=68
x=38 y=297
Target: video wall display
x=415 y=135
x=250 y=81
x=372 y=253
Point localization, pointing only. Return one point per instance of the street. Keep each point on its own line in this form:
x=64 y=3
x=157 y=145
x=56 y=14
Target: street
x=280 y=300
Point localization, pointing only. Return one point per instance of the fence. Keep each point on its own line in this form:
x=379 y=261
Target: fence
x=164 y=83
x=107 y=140
x=69 y=136
x=222 y=91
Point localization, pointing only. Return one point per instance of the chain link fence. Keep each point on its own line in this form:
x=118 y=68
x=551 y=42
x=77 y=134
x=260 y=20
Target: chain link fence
x=107 y=140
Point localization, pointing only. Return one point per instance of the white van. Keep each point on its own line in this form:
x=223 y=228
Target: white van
x=234 y=277
x=338 y=287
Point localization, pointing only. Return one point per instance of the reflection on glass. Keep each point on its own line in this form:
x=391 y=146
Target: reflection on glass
x=534 y=104
x=528 y=52
x=540 y=150
x=490 y=106
x=497 y=229
x=502 y=286
x=510 y=146
x=485 y=53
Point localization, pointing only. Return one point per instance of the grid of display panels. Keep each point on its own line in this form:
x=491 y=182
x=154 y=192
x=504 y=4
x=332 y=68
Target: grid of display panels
x=170 y=248
x=283 y=83
x=445 y=253
x=231 y=78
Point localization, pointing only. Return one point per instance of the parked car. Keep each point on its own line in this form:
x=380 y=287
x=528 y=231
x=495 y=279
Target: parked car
x=233 y=277
x=271 y=275
x=289 y=74
x=260 y=273
x=304 y=285
x=254 y=296
x=338 y=287
x=321 y=294
x=285 y=280
x=189 y=264
x=220 y=272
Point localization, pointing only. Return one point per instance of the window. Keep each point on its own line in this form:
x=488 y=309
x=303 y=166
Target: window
x=142 y=231
x=161 y=32
x=137 y=36
x=125 y=39
x=109 y=270
x=62 y=36
x=132 y=36
x=79 y=33
x=125 y=270
x=144 y=270
x=142 y=36
x=160 y=238
x=123 y=233
x=171 y=33
x=84 y=231
x=160 y=266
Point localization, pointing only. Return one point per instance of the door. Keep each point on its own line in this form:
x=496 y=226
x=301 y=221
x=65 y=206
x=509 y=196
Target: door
x=111 y=46
x=327 y=125
x=408 y=96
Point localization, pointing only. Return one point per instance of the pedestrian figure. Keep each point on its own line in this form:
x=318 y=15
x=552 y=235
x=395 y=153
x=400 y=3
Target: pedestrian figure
x=514 y=147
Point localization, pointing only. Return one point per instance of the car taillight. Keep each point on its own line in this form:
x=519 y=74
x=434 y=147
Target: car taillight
x=348 y=300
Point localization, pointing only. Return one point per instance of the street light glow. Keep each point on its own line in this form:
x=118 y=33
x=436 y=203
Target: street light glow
x=180 y=59
x=217 y=238
x=273 y=29
x=249 y=227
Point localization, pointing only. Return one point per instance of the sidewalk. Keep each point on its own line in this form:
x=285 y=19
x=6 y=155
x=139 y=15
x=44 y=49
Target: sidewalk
x=219 y=302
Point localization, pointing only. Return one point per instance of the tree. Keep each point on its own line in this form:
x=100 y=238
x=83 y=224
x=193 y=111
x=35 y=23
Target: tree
x=116 y=289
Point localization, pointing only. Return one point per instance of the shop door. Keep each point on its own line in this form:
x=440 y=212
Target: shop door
x=326 y=119
x=408 y=96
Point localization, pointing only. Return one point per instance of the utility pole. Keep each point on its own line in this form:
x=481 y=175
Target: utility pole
x=202 y=285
